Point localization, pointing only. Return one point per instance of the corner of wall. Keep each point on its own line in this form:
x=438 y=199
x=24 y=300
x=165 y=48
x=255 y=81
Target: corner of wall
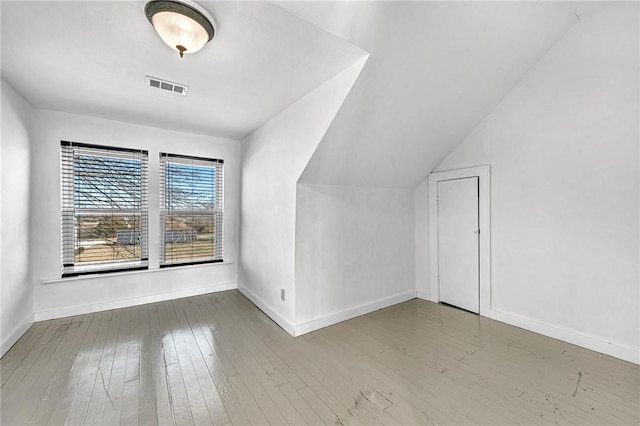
x=267 y=309
x=421 y=206
x=351 y=312
x=9 y=340
x=274 y=157
x=16 y=262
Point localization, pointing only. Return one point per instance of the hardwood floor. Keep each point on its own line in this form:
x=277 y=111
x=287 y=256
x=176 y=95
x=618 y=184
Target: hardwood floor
x=218 y=359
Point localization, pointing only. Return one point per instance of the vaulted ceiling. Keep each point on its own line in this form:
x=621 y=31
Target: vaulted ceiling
x=435 y=70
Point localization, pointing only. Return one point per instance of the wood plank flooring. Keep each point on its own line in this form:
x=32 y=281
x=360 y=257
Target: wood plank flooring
x=217 y=359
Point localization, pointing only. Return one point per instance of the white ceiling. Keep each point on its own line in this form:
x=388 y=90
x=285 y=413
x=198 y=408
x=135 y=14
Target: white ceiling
x=91 y=57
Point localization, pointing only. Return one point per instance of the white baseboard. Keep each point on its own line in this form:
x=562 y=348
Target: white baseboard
x=345 y=314
x=569 y=336
x=425 y=295
x=326 y=320
x=9 y=341
x=131 y=301
x=268 y=310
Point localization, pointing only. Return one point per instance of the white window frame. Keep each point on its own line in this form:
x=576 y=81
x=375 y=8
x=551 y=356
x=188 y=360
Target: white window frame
x=70 y=211
x=216 y=211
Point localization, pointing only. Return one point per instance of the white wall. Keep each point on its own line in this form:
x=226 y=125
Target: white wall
x=274 y=157
x=563 y=149
x=354 y=252
x=70 y=296
x=15 y=269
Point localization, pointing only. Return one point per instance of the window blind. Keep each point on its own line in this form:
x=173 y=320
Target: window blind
x=191 y=210
x=104 y=209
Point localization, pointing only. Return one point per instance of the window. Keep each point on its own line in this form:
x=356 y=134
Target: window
x=191 y=210
x=104 y=209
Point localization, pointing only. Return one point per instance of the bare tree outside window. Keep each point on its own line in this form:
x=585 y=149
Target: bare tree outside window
x=104 y=207
x=191 y=213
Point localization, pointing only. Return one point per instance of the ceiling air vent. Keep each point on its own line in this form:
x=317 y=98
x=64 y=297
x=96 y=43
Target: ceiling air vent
x=179 y=89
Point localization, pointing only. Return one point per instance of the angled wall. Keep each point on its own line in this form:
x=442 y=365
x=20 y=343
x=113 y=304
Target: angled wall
x=564 y=153
x=274 y=156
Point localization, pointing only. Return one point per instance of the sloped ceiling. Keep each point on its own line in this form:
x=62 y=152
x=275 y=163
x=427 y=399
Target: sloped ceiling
x=435 y=70
x=91 y=57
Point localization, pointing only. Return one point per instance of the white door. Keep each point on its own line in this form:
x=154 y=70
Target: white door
x=458 y=243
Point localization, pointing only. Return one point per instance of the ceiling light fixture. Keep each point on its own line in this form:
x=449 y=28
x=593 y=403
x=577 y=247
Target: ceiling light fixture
x=181 y=24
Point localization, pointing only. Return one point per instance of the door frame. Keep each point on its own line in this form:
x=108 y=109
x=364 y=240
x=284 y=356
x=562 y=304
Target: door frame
x=483 y=173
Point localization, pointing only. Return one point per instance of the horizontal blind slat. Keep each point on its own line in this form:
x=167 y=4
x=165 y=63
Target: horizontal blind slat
x=190 y=198
x=104 y=208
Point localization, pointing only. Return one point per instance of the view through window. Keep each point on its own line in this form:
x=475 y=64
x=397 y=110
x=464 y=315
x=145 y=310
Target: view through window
x=191 y=210
x=104 y=209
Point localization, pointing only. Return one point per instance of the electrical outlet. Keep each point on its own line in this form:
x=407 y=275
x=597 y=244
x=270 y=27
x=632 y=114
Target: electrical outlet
x=282 y=294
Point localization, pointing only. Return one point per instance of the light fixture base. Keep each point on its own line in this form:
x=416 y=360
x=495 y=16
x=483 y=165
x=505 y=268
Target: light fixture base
x=164 y=16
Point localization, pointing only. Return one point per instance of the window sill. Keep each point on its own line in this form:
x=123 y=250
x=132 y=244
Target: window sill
x=127 y=273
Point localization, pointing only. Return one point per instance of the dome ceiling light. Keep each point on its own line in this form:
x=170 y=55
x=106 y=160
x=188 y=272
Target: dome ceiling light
x=181 y=24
